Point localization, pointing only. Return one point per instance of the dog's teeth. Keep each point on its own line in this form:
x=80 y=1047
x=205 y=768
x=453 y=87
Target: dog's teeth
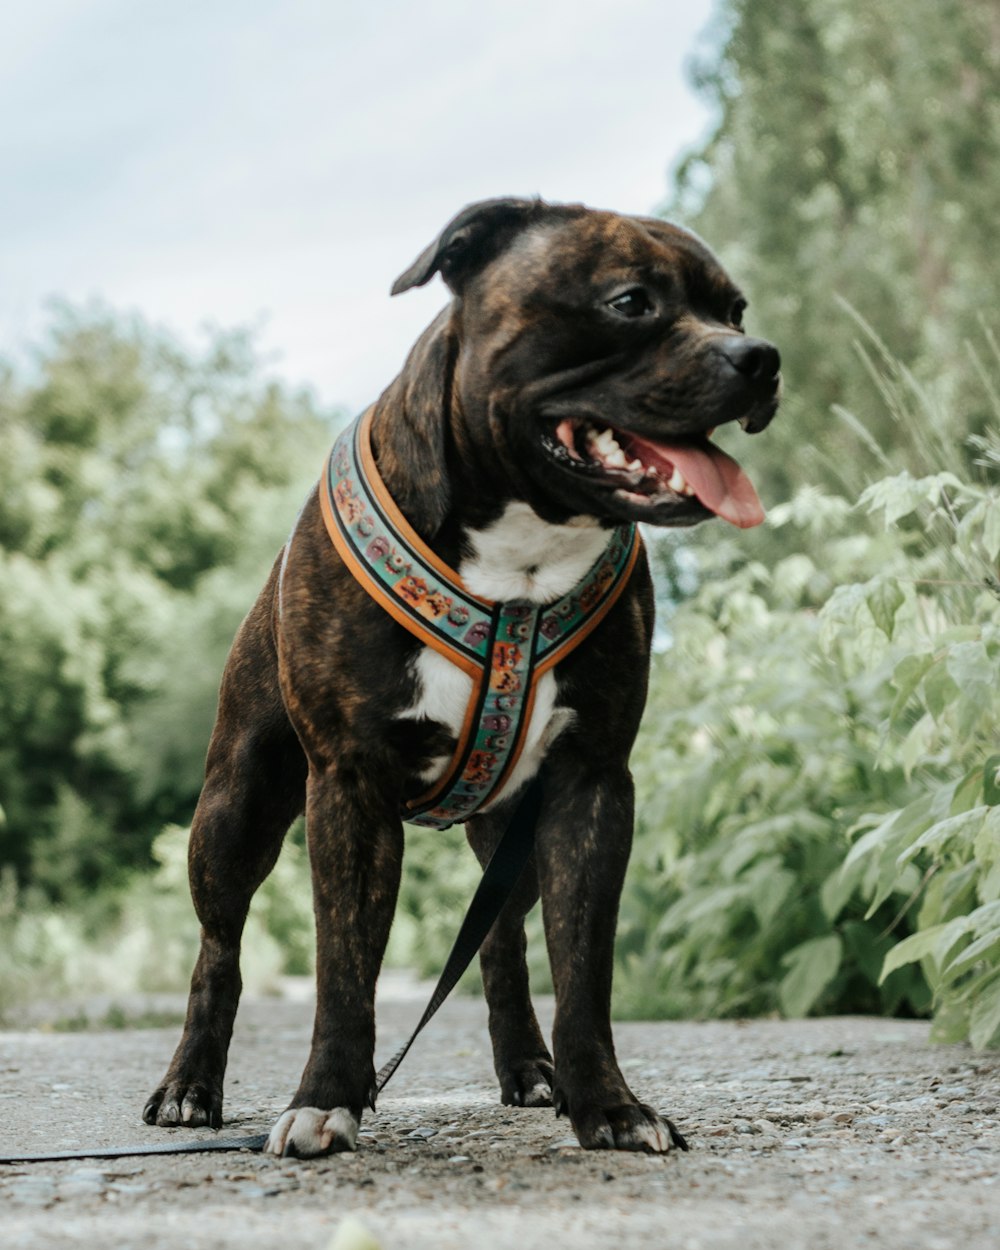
x=635 y=466
x=677 y=483
x=604 y=447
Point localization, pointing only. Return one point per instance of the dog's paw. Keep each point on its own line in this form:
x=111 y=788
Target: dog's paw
x=527 y=1084
x=630 y=1126
x=304 y=1132
x=186 y=1104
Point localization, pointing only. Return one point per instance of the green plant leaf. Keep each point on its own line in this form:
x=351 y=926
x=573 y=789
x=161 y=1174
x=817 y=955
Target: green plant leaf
x=884 y=599
x=907 y=676
x=991 y=780
x=984 y=1019
x=836 y=891
x=962 y=829
x=940 y=690
x=811 y=966
x=991 y=529
x=986 y=847
x=967 y=957
x=917 y=946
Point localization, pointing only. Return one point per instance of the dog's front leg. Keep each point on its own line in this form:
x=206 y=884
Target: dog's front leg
x=583 y=844
x=355 y=849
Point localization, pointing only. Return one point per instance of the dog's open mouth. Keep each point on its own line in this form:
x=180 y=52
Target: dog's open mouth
x=647 y=472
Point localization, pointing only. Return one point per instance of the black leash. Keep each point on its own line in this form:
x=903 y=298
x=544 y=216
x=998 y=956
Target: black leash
x=495 y=887
x=157 y=1148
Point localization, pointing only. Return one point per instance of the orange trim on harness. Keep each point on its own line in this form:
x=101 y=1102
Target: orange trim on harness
x=506 y=648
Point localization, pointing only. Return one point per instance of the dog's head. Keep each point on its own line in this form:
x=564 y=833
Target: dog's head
x=592 y=355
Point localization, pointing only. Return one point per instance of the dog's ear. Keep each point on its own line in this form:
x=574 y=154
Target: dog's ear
x=468 y=241
x=416 y=459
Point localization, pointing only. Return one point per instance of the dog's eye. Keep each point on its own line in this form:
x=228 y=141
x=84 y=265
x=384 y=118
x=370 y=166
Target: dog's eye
x=736 y=315
x=633 y=303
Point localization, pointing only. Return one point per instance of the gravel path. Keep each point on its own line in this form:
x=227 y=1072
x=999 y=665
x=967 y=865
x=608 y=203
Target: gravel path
x=813 y=1134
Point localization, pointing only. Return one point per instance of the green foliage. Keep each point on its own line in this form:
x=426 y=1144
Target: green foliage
x=142 y=936
x=756 y=746
x=144 y=491
x=817 y=774
x=816 y=771
x=440 y=875
x=855 y=157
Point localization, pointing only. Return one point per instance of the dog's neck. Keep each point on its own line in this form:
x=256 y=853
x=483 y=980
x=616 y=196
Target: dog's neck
x=459 y=502
x=500 y=546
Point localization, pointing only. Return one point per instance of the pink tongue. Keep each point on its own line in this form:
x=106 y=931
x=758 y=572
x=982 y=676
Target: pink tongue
x=717 y=480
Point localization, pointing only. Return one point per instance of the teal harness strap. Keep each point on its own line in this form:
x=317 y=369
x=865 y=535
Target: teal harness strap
x=504 y=647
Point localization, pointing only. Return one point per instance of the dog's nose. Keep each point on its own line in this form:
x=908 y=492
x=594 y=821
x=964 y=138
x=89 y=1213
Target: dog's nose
x=756 y=359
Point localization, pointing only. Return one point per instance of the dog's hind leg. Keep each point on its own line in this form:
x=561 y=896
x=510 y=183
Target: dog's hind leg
x=521 y=1058
x=356 y=850
x=254 y=788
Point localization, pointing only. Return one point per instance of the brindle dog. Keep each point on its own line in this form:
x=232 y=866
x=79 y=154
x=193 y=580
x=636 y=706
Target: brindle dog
x=571 y=384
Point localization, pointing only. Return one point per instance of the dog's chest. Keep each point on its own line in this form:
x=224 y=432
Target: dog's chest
x=519 y=556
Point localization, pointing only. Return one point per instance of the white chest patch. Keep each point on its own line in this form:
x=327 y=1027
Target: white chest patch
x=519 y=556
x=443 y=693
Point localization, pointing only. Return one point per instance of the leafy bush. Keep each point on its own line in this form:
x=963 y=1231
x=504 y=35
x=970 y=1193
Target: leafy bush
x=816 y=777
x=144 y=491
x=143 y=936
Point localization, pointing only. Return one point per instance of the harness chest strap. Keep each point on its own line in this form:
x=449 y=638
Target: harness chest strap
x=505 y=647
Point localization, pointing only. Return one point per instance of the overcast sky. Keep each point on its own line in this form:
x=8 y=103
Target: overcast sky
x=279 y=162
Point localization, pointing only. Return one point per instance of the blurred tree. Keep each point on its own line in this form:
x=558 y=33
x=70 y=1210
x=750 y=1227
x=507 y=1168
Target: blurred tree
x=856 y=156
x=144 y=491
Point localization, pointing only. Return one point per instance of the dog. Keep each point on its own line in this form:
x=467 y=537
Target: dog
x=568 y=390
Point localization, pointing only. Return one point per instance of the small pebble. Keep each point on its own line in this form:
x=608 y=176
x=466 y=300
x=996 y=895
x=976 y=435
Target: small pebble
x=351 y=1234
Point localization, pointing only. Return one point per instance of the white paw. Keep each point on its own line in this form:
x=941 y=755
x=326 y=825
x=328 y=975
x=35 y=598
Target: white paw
x=303 y=1132
x=539 y=1095
x=645 y=1135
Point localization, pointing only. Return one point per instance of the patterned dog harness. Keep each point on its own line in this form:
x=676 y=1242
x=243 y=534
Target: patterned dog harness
x=504 y=647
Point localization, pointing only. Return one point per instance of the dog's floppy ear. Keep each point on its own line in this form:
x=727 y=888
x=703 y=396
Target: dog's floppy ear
x=468 y=241
x=415 y=461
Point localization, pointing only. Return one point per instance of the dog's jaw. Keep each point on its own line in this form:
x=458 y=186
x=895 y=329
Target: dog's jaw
x=680 y=481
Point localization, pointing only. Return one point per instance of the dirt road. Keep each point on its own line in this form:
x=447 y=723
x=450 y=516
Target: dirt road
x=830 y=1133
